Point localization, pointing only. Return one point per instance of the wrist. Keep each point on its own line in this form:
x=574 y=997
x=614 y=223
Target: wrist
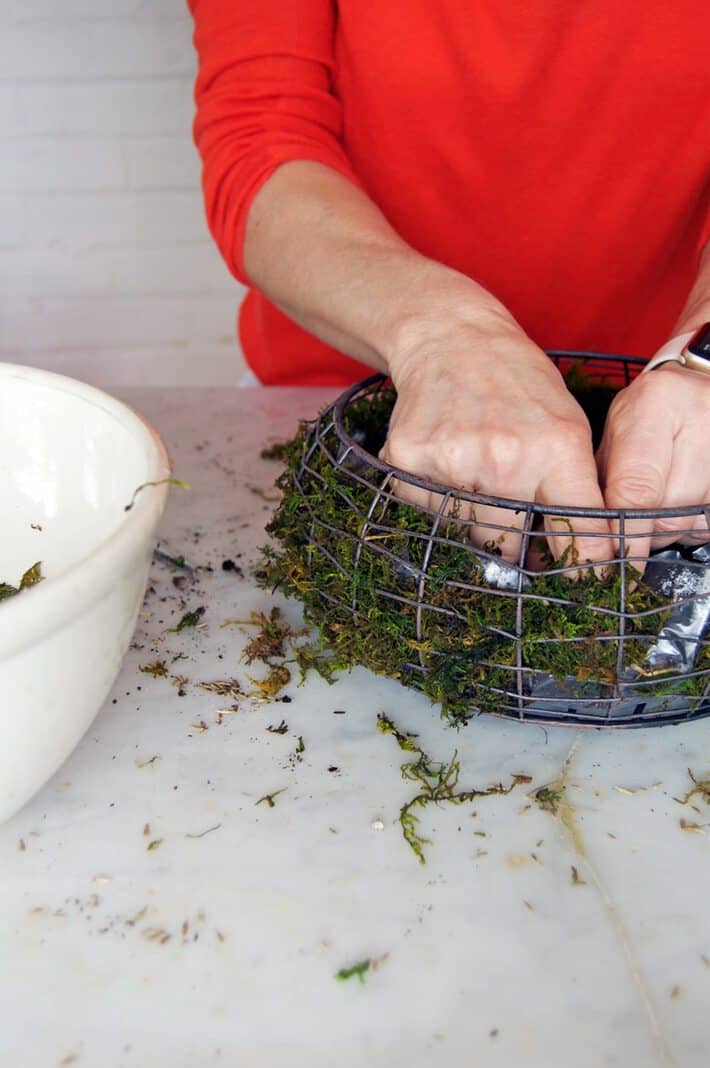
x=440 y=303
x=690 y=350
x=692 y=318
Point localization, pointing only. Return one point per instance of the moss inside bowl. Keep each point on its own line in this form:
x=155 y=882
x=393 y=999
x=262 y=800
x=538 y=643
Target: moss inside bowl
x=31 y=577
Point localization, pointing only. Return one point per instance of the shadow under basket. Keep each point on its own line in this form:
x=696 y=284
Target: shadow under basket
x=402 y=590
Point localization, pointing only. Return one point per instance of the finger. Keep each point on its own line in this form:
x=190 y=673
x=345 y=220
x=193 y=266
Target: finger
x=434 y=504
x=586 y=539
x=404 y=491
x=497 y=530
x=688 y=484
x=492 y=529
x=638 y=459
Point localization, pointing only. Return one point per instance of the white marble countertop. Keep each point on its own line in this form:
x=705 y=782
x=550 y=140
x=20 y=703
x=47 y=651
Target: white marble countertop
x=219 y=945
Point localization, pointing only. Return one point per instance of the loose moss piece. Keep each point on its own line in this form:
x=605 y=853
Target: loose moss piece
x=700 y=786
x=360 y=970
x=207 y=831
x=158 y=669
x=147 y=763
x=175 y=561
x=224 y=688
x=270 y=799
x=270 y=687
x=548 y=798
x=31 y=577
x=268 y=644
x=437 y=782
x=301 y=747
x=403 y=738
x=692 y=826
x=190 y=619
x=161 y=482
x=277 y=451
x=282 y=728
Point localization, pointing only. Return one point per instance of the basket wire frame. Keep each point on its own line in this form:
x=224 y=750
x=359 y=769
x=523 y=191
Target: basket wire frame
x=626 y=704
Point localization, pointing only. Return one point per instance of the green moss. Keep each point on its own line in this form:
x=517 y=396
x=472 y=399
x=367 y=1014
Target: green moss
x=190 y=619
x=310 y=656
x=158 y=669
x=700 y=788
x=358 y=970
x=161 y=482
x=362 y=561
x=270 y=799
x=276 y=451
x=548 y=798
x=31 y=577
x=436 y=782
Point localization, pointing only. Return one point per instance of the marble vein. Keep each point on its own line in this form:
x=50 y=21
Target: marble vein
x=567 y=816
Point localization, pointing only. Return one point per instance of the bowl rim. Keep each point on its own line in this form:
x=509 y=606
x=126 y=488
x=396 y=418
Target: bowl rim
x=52 y=605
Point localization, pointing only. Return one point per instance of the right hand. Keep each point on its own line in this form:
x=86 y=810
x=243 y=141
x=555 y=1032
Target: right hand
x=480 y=407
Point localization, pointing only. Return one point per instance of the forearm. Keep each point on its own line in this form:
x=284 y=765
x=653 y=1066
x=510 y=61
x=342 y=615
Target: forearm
x=697 y=307
x=325 y=254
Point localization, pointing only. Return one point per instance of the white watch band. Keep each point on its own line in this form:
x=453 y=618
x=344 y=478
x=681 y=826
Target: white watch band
x=671 y=352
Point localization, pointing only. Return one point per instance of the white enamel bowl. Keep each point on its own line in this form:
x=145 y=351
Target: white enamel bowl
x=71 y=458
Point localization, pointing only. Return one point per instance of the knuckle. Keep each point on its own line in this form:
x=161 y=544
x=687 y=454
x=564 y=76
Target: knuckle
x=626 y=407
x=502 y=450
x=636 y=489
x=454 y=453
x=570 y=436
x=671 y=524
x=401 y=451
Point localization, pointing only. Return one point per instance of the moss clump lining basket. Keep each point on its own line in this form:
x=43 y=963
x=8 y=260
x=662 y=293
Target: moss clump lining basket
x=402 y=590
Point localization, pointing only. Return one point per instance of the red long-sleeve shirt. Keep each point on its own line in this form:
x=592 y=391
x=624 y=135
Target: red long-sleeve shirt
x=557 y=152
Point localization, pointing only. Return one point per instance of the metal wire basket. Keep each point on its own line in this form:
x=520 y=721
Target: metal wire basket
x=406 y=585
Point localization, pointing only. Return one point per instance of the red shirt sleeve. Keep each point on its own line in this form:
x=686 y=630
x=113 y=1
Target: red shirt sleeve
x=264 y=96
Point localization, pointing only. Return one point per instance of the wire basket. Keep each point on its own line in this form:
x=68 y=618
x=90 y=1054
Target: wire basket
x=403 y=590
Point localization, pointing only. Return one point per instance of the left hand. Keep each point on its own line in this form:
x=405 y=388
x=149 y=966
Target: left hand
x=654 y=454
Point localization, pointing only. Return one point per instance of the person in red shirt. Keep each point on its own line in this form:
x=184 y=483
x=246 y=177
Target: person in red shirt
x=441 y=190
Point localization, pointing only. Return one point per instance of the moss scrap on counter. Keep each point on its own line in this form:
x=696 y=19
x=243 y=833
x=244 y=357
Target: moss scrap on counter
x=436 y=782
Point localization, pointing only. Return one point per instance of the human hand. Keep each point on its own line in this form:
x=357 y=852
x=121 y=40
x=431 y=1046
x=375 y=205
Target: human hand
x=480 y=407
x=654 y=455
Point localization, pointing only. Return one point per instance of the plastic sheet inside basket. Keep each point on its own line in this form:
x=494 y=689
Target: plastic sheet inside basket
x=683 y=577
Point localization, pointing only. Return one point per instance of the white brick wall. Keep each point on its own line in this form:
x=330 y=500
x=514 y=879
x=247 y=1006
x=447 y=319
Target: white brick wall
x=107 y=270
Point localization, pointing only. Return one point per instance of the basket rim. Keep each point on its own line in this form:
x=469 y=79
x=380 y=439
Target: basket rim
x=510 y=503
